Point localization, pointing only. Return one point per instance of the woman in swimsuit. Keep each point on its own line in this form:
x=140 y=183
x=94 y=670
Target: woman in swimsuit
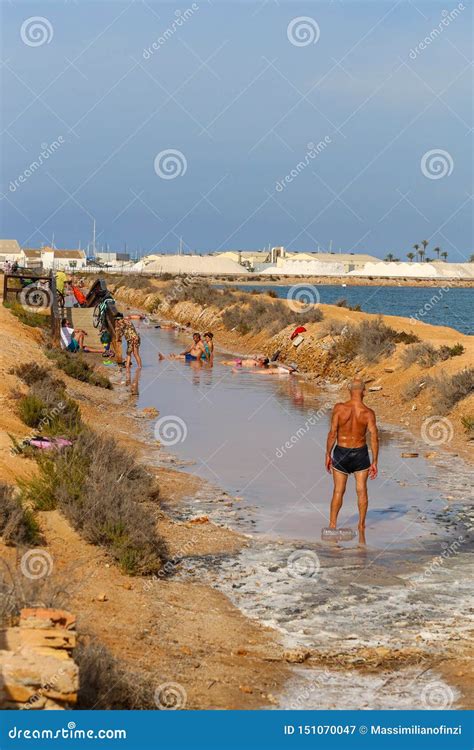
x=208 y=353
x=124 y=327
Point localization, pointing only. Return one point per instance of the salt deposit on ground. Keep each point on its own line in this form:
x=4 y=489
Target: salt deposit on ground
x=417 y=270
x=191 y=264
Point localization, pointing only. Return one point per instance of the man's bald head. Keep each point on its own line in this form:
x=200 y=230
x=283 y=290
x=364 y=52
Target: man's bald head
x=357 y=386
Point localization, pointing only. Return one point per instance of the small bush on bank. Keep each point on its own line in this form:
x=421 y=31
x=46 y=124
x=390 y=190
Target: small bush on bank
x=18 y=526
x=426 y=355
x=258 y=315
x=372 y=340
x=34 y=320
x=30 y=372
x=333 y=327
x=468 y=424
x=153 y=304
x=101 y=489
x=449 y=391
x=413 y=389
x=76 y=367
x=107 y=684
x=47 y=408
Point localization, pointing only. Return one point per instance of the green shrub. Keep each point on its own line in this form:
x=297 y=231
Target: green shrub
x=30 y=373
x=371 y=340
x=153 y=305
x=468 y=424
x=18 y=526
x=426 y=355
x=35 y=320
x=76 y=367
x=101 y=490
x=31 y=410
x=446 y=352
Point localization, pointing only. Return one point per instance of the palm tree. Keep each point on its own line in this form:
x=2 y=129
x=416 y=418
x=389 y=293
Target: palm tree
x=390 y=257
x=422 y=254
x=416 y=248
x=471 y=259
x=410 y=256
x=437 y=251
x=428 y=260
x=444 y=255
x=425 y=244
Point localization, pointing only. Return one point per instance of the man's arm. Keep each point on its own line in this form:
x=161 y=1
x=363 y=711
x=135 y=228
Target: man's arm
x=374 y=443
x=332 y=436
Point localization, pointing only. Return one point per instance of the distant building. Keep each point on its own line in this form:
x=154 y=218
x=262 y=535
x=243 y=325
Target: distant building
x=10 y=251
x=350 y=261
x=113 y=258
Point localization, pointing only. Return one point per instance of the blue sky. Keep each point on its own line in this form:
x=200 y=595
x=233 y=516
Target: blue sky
x=240 y=95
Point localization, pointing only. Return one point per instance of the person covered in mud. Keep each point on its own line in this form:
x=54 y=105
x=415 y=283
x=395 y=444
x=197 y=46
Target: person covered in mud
x=193 y=354
x=350 y=422
x=259 y=361
x=124 y=327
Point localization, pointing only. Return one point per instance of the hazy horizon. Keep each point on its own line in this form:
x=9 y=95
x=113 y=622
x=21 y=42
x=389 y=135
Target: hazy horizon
x=238 y=125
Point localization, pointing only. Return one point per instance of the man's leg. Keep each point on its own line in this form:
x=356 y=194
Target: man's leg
x=136 y=353
x=362 y=496
x=340 y=481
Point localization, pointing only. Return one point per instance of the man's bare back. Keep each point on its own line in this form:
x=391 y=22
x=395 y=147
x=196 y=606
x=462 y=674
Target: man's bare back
x=352 y=422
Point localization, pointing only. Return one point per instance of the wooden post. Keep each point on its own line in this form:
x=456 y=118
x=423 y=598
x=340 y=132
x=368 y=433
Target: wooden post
x=55 y=318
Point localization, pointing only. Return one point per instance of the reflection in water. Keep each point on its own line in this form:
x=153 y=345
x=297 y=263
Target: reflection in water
x=263 y=439
x=134 y=382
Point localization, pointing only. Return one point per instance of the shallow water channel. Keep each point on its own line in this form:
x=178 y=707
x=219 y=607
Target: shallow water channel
x=258 y=443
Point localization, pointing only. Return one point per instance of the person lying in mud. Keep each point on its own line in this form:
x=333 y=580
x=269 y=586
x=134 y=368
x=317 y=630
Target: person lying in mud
x=249 y=362
x=193 y=354
x=350 y=422
x=125 y=327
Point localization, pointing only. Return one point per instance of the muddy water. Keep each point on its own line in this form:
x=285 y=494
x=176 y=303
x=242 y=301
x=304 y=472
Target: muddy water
x=262 y=440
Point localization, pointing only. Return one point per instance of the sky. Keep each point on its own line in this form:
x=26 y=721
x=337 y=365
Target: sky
x=238 y=125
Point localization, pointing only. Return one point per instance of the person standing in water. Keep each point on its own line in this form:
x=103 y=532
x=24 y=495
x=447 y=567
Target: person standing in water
x=125 y=327
x=350 y=422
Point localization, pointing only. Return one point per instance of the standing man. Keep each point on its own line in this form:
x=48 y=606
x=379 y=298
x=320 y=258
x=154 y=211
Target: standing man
x=350 y=422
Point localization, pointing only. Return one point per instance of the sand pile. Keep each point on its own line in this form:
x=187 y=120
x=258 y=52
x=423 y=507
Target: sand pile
x=306 y=268
x=417 y=270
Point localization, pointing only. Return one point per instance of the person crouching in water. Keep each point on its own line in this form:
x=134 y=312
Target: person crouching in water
x=124 y=327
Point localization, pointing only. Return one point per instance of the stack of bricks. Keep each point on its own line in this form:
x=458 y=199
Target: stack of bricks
x=37 y=670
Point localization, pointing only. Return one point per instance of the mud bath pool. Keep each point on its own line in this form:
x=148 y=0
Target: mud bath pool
x=408 y=587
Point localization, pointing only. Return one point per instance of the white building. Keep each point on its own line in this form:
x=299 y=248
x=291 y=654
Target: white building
x=66 y=260
x=10 y=251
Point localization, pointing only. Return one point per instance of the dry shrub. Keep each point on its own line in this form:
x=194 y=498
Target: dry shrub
x=371 y=340
x=76 y=367
x=426 y=355
x=423 y=354
x=47 y=408
x=108 y=684
x=17 y=591
x=468 y=424
x=30 y=373
x=259 y=314
x=18 y=526
x=333 y=327
x=101 y=490
x=413 y=389
x=448 y=391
